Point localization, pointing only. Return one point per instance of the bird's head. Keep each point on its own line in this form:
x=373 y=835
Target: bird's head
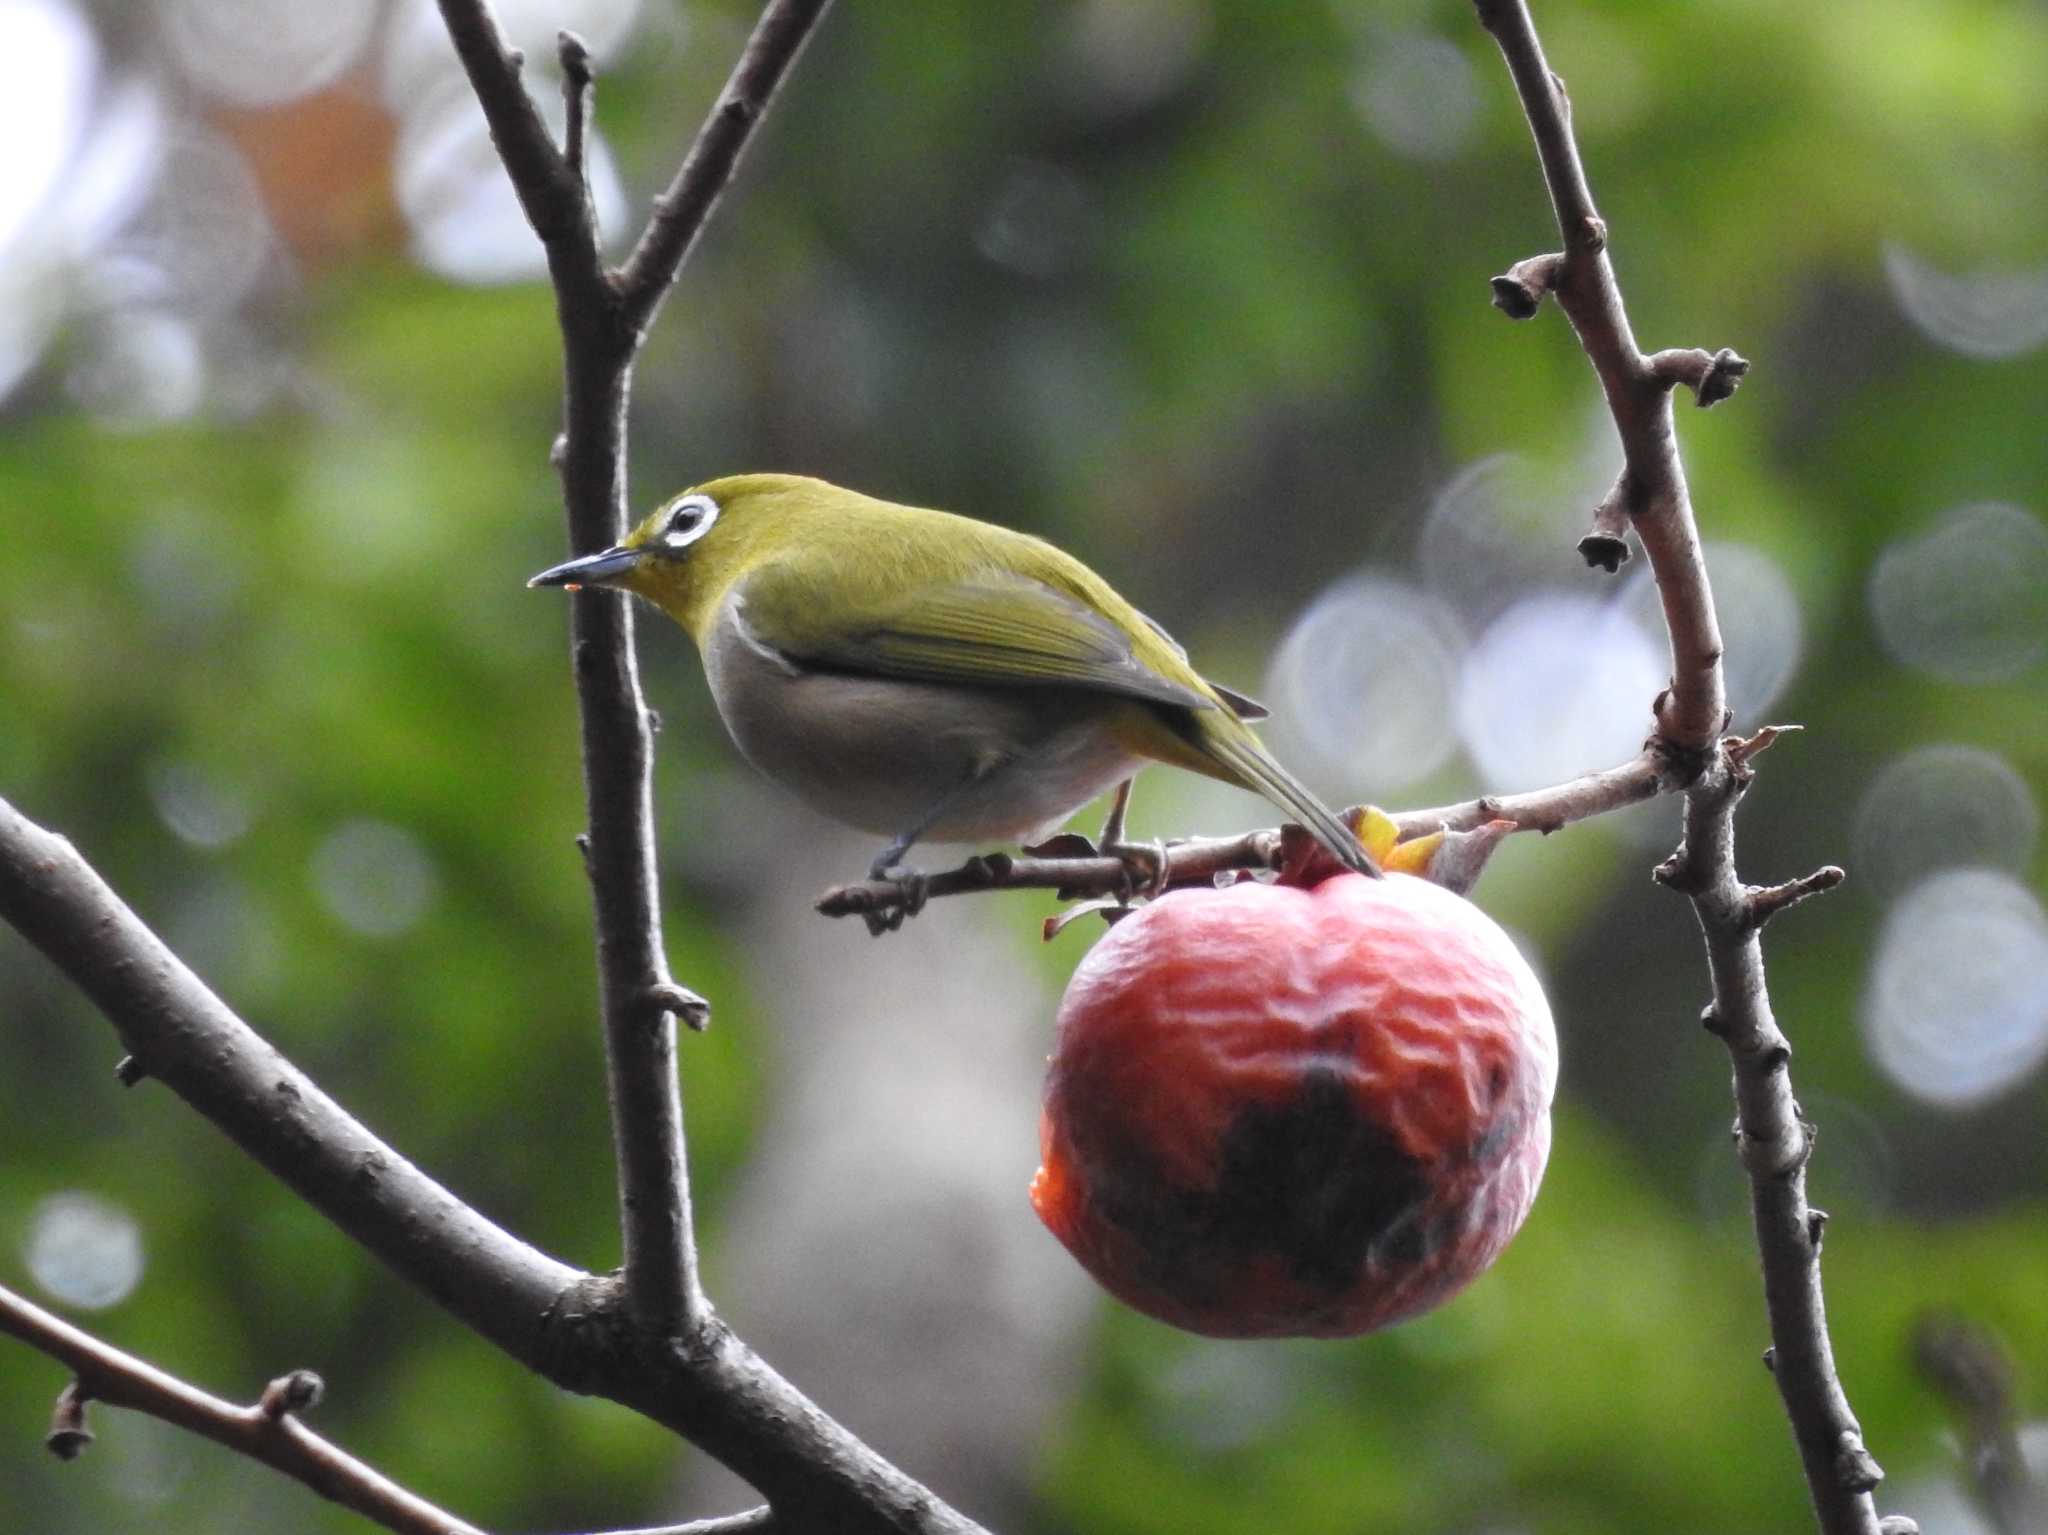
x=689 y=550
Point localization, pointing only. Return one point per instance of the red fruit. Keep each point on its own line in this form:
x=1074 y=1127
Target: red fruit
x=1278 y=1111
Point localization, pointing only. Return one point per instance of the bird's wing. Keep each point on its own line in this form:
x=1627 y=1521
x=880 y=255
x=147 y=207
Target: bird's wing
x=1242 y=705
x=994 y=630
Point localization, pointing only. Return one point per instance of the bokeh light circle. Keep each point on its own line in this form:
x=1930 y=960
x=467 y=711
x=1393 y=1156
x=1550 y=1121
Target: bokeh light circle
x=1967 y=599
x=1992 y=313
x=1119 y=56
x=198 y=806
x=84 y=1251
x=48 y=62
x=1041 y=222
x=1419 y=96
x=417 y=62
x=374 y=877
x=1502 y=527
x=1939 y=807
x=465 y=218
x=1956 y=1008
x=204 y=238
x=145 y=367
x=1558 y=685
x=1364 y=679
x=257 y=53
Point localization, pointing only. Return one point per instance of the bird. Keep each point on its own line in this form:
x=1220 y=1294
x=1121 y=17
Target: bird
x=925 y=676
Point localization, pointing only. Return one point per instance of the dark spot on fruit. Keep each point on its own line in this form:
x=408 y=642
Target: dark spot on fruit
x=1312 y=1179
x=1315 y=1179
x=1496 y=1082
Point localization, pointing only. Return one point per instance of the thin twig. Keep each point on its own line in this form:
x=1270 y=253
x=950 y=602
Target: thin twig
x=660 y=1262
x=681 y=211
x=269 y=1431
x=579 y=85
x=755 y=1521
x=601 y=333
x=1775 y=1143
x=1605 y=546
x=1766 y=901
x=1088 y=875
x=549 y=191
x=603 y=318
x=1658 y=502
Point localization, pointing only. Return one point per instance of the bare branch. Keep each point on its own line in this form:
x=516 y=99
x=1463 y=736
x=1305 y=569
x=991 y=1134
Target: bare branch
x=1711 y=376
x=1194 y=861
x=578 y=86
x=681 y=211
x=1605 y=546
x=1775 y=1144
x=598 y=346
x=1519 y=291
x=1084 y=873
x=1692 y=714
x=566 y=1325
x=269 y=1431
x=603 y=318
x=755 y=1521
x=1553 y=809
x=189 y=1040
x=1766 y=901
x=660 y=1256
x=550 y=191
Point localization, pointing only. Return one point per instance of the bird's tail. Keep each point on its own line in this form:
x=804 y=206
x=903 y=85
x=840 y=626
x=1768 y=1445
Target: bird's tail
x=1239 y=750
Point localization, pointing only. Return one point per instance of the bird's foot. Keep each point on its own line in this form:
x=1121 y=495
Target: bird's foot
x=912 y=886
x=1145 y=868
x=1144 y=862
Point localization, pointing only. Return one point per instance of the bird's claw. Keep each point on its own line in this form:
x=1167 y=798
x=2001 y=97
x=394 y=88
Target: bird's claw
x=912 y=888
x=1145 y=868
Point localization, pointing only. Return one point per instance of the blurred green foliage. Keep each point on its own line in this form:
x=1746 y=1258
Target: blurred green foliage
x=1256 y=343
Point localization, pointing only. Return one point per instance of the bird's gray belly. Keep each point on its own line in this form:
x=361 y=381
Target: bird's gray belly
x=880 y=754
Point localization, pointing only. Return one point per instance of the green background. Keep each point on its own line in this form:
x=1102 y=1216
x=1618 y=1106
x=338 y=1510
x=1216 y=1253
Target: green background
x=1259 y=348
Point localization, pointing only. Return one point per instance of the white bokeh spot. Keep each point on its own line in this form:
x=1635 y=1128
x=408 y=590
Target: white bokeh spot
x=1956 y=1008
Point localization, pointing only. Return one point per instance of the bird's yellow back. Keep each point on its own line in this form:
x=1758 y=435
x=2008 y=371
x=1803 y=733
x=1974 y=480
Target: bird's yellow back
x=843 y=554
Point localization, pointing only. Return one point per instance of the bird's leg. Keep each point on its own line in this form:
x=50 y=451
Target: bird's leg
x=1146 y=859
x=1113 y=827
x=910 y=883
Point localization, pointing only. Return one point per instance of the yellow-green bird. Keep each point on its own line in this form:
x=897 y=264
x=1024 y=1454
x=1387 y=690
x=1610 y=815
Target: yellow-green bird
x=924 y=676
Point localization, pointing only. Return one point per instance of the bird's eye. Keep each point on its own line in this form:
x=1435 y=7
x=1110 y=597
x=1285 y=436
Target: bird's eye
x=688 y=520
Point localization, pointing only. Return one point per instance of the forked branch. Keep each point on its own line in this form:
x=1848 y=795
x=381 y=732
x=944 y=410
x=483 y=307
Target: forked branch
x=1774 y=1142
x=269 y=1430
x=647 y=1339
x=604 y=315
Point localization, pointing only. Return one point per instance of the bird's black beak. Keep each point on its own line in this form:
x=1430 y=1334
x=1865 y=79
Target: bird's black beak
x=600 y=569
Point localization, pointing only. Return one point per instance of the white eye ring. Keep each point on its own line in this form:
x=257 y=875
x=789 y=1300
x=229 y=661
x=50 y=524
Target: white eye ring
x=688 y=520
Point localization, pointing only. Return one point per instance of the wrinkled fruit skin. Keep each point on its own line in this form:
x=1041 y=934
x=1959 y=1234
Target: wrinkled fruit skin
x=1276 y=1111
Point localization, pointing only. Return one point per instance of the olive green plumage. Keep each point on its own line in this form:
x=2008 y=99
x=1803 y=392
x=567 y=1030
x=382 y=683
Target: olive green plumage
x=921 y=674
